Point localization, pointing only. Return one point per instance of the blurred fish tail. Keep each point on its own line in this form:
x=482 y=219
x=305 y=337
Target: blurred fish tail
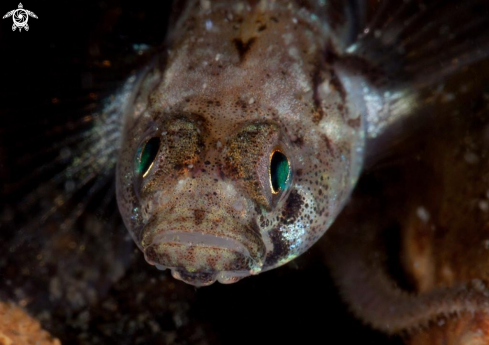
x=58 y=197
x=411 y=56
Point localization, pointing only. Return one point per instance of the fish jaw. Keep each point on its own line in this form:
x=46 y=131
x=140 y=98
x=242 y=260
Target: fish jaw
x=200 y=248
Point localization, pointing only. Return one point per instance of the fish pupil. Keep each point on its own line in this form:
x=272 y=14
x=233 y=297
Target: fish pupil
x=279 y=171
x=147 y=154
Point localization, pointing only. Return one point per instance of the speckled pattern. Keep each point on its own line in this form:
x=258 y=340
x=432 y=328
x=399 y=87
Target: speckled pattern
x=239 y=81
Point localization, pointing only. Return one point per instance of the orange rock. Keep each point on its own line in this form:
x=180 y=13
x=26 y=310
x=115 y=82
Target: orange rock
x=466 y=330
x=19 y=328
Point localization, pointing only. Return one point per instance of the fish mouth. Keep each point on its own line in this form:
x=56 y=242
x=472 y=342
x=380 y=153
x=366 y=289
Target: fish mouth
x=199 y=254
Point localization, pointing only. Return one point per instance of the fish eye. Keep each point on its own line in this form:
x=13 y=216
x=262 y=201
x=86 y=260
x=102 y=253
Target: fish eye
x=146 y=155
x=279 y=172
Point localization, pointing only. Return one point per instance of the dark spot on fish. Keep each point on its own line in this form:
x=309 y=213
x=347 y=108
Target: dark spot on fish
x=299 y=141
x=199 y=216
x=355 y=123
x=274 y=19
x=262 y=27
x=243 y=47
x=292 y=207
x=241 y=104
x=305 y=4
x=318 y=113
x=253 y=3
x=335 y=82
x=328 y=143
x=280 y=246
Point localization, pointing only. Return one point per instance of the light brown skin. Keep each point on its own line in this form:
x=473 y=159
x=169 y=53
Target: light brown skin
x=239 y=82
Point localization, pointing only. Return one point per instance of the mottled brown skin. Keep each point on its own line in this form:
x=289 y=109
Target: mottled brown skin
x=240 y=81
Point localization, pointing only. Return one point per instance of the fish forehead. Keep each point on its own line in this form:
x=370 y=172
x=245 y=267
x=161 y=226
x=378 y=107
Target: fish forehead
x=242 y=59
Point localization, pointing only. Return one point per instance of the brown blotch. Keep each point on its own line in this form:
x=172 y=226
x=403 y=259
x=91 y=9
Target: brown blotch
x=299 y=141
x=335 y=82
x=281 y=246
x=293 y=207
x=253 y=3
x=355 y=123
x=241 y=104
x=243 y=47
x=318 y=113
x=328 y=143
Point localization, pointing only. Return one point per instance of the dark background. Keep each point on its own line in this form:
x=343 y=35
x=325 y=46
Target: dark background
x=74 y=55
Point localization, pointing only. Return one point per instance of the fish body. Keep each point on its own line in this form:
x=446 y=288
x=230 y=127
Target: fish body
x=242 y=141
x=240 y=83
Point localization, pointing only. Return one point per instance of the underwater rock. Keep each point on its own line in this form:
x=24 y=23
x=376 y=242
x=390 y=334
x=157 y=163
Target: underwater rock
x=19 y=328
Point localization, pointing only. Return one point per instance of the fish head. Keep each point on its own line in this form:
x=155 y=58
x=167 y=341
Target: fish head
x=222 y=200
x=235 y=167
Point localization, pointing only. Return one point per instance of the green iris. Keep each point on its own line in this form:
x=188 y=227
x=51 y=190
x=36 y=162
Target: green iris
x=146 y=155
x=279 y=171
